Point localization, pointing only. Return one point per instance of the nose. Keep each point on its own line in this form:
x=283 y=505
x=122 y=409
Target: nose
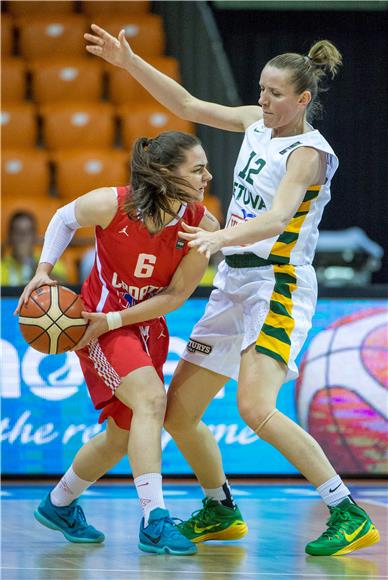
x=262 y=98
x=207 y=175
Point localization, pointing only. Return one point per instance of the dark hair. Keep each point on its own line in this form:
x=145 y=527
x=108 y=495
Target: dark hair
x=154 y=187
x=307 y=72
x=21 y=215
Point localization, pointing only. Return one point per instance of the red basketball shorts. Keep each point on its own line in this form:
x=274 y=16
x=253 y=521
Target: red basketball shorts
x=115 y=354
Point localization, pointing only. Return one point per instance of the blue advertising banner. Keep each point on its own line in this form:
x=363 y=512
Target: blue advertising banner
x=340 y=397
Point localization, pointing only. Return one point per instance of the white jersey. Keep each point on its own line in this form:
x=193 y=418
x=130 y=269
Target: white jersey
x=260 y=167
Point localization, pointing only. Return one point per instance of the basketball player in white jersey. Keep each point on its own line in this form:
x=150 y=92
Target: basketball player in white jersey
x=259 y=314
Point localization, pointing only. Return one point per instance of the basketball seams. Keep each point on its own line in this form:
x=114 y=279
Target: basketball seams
x=54 y=327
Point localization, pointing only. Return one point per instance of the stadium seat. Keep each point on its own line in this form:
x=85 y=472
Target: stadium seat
x=66 y=80
x=97 y=9
x=144 y=33
x=148 y=120
x=52 y=36
x=69 y=125
x=13 y=80
x=6 y=35
x=37 y=8
x=80 y=171
x=124 y=89
x=42 y=206
x=19 y=125
x=24 y=171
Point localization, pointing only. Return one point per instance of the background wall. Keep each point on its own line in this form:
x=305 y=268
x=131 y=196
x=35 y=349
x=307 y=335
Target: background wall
x=355 y=108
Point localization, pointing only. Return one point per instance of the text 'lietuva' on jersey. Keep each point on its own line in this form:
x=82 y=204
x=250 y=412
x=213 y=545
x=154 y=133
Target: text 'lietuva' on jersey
x=131 y=264
x=260 y=167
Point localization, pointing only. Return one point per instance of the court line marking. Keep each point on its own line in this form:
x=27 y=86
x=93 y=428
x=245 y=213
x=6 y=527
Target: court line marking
x=191 y=572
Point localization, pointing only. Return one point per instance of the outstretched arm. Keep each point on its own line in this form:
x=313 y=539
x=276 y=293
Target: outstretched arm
x=302 y=171
x=168 y=92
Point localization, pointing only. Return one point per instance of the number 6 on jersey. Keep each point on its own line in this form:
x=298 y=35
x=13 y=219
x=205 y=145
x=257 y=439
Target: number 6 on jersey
x=145 y=266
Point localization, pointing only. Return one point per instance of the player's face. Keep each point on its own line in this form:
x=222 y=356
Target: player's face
x=283 y=109
x=194 y=170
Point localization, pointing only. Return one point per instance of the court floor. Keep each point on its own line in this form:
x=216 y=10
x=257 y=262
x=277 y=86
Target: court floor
x=281 y=517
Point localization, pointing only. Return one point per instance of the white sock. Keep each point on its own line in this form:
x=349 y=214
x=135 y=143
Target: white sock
x=333 y=491
x=68 y=488
x=221 y=494
x=149 y=490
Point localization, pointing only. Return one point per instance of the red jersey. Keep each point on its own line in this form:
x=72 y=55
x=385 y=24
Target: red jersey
x=131 y=264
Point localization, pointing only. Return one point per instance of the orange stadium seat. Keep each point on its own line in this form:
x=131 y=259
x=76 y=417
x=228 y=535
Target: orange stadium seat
x=52 y=36
x=69 y=125
x=24 y=172
x=124 y=89
x=6 y=35
x=144 y=33
x=96 y=9
x=148 y=120
x=42 y=206
x=80 y=171
x=13 y=80
x=36 y=8
x=66 y=80
x=19 y=125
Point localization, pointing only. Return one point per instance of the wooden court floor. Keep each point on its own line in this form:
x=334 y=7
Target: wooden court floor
x=281 y=517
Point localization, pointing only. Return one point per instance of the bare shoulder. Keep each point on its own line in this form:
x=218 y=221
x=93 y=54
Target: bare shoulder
x=251 y=114
x=305 y=163
x=97 y=207
x=209 y=222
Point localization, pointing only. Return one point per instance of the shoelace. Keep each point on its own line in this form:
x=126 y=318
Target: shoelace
x=76 y=515
x=166 y=522
x=335 y=521
x=202 y=516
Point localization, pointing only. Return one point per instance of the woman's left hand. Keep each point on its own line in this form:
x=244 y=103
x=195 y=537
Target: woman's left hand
x=97 y=325
x=206 y=243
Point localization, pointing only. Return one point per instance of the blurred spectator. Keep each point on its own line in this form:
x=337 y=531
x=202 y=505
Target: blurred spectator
x=86 y=264
x=21 y=257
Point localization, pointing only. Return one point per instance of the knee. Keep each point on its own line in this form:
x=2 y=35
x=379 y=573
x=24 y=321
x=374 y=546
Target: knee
x=254 y=412
x=152 y=404
x=177 y=423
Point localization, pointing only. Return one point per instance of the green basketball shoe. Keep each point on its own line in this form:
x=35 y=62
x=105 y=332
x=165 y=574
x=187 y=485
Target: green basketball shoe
x=214 y=522
x=349 y=528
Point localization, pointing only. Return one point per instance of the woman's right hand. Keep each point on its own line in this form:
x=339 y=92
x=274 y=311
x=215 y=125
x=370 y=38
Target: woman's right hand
x=114 y=50
x=40 y=279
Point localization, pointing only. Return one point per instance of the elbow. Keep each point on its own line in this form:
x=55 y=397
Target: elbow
x=280 y=222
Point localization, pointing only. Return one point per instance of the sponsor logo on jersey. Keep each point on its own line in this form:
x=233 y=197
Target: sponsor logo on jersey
x=195 y=346
x=180 y=244
x=283 y=151
x=124 y=231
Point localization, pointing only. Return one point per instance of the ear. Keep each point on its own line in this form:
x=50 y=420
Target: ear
x=305 y=98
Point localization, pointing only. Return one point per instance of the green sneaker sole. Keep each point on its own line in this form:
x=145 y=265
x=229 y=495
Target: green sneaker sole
x=368 y=539
x=49 y=524
x=235 y=531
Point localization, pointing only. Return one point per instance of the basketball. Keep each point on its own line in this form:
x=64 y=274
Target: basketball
x=51 y=321
x=341 y=392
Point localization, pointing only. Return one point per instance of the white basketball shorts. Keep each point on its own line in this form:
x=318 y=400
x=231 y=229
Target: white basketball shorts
x=270 y=306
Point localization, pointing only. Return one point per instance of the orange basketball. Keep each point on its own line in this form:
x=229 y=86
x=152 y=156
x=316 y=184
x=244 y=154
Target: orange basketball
x=51 y=321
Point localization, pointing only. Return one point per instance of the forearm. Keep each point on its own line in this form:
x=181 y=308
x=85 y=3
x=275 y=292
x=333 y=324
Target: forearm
x=59 y=234
x=154 y=307
x=264 y=226
x=167 y=91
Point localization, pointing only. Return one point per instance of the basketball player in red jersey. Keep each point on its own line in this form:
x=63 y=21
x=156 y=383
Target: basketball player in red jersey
x=142 y=271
